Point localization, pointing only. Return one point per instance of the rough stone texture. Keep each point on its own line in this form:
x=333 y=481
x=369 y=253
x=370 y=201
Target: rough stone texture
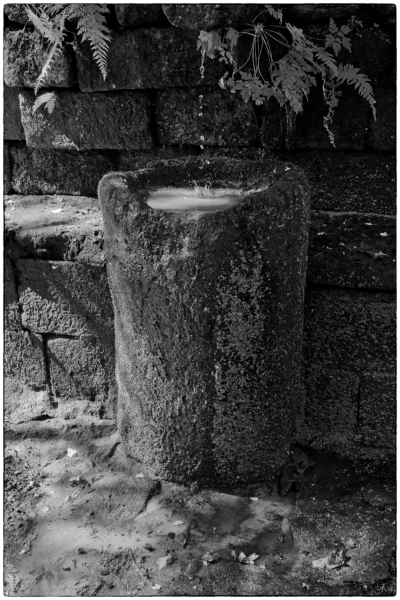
x=332 y=402
x=225 y=121
x=208 y=359
x=13 y=129
x=352 y=250
x=12 y=317
x=129 y=15
x=378 y=409
x=343 y=181
x=82 y=370
x=65 y=298
x=16 y=13
x=67 y=228
x=387 y=12
x=319 y=12
x=372 y=52
x=26 y=393
x=349 y=125
x=24 y=57
x=89 y=121
x=37 y=171
x=148 y=58
x=210 y=16
x=350 y=329
x=7 y=186
x=382 y=132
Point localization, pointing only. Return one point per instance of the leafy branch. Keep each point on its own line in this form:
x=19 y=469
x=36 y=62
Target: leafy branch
x=290 y=78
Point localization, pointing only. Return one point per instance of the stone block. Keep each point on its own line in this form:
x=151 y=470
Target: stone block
x=210 y=16
x=378 y=409
x=7 y=186
x=24 y=57
x=13 y=129
x=226 y=120
x=382 y=132
x=352 y=250
x=89 y=121
x=350 y=330
x=273 y=126
x=12 y=316
x=135 y=15
x=37 y=171
x=16 y=13
x=65 y=298
x=349 y=181
x=331 y=402
x=349 y=125
x=83 y=370
x=386 y=12
x=373 y=51
x=62 y=228
x=148 y=59
x=26 y=391
x=320 y=12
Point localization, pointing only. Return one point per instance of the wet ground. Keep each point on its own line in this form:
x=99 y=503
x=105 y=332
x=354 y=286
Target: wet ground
x=82 y=521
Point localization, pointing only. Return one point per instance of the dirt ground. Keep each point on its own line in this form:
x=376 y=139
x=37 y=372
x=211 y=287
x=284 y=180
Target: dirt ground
x=80 y=520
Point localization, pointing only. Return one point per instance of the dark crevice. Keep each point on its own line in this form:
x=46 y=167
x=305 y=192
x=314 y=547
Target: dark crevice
x=372 y=291
x=42 y=418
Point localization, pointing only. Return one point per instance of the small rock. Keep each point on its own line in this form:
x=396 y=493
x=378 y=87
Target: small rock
x=105 y=571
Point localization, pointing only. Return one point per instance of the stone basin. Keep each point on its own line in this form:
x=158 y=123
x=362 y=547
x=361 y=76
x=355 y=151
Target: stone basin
x=208 y=317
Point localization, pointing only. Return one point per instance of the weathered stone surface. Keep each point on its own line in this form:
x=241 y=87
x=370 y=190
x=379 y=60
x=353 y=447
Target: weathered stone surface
x=208 y=360
x=89 y=121
x=37 y=171
x=373 y=51
x=225 y=121
x=350 y=330
x=65 y=298
x=382 y=132
x=387 y=12
x=16 y=13
x=378 y=409
x=68 y=228
x=331 y=402
x=7 y=186
x=210 y=16
x=13 y=129
x=352 y=250
x=12 y=317
x=24 y=57
x=319 y=12
x=130 y=161
x=349 y=181
x=148 y=58
x=349 y=125
x=135 y=15
x=26 y=393
x=82 y=370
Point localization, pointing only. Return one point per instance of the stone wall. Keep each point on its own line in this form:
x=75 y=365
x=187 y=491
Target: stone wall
x=59 y=333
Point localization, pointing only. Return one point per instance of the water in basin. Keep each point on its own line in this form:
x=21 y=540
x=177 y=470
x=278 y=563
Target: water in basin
x=194 y=199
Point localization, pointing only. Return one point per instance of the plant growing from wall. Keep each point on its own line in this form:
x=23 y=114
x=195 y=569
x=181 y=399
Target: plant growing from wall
x=51 y=22
x=289 y=78
x=261 y=77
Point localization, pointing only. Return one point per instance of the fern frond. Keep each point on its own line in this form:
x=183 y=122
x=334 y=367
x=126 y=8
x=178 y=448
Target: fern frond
x=49 y=100
x=44 y=25
x=352 y=76
x=52 y=55
x=93 y=28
